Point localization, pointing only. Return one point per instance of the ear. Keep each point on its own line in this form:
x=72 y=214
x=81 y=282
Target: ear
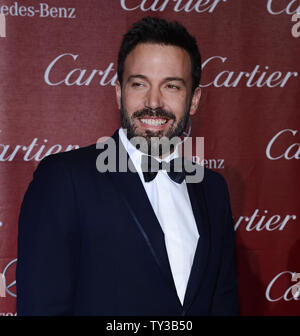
x=118 y=94
x=195 y=101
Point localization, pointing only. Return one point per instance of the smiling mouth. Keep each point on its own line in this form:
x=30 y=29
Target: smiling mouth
x=153 y=121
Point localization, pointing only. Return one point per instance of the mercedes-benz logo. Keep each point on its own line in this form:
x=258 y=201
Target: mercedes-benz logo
x=13 y=283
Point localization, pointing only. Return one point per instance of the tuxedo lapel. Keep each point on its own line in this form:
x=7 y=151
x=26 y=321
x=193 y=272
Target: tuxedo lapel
x=132 y=193
x=197 y=198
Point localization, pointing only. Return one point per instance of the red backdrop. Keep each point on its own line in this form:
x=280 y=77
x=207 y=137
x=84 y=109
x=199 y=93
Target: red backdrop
x=57 y=76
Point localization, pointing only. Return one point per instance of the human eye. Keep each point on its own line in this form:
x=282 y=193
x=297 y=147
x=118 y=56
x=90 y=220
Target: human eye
x=173 y=86
x=137 y=84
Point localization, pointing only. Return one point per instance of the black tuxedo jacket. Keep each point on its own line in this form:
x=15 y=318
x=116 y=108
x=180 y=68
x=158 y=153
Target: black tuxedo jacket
x=89 y=243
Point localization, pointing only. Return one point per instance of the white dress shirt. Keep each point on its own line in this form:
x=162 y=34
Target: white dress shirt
x=171 y=204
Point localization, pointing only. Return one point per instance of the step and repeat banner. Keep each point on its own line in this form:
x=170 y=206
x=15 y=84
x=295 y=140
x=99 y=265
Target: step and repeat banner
x=57 y=77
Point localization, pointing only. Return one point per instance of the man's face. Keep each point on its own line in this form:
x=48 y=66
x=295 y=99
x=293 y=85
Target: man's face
x=156 y=94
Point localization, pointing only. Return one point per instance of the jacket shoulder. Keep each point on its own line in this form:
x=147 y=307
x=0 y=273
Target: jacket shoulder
x=72 y=158
x=214 y=182
x=211 y=176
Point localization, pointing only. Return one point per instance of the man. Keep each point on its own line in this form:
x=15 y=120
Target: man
x=131 y=243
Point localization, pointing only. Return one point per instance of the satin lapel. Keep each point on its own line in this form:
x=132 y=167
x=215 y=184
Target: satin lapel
x=197 y=198
x=132 y=193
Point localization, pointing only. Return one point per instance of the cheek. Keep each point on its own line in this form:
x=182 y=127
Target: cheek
x=132 y=102
x=177 y=106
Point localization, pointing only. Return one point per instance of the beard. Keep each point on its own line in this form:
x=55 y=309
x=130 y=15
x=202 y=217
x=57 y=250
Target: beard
x=157 y=143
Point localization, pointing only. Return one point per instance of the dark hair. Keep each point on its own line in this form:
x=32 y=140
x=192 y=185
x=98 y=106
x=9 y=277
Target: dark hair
x=160 y=31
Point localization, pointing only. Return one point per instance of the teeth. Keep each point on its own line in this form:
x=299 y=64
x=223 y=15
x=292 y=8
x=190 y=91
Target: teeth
x=154 y=122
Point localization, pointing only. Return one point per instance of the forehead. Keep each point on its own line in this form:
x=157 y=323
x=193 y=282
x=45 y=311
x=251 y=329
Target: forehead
x=158 y=61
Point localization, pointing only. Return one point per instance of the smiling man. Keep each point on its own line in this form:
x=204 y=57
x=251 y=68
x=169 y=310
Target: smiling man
x=158 y=78
x=136 y=242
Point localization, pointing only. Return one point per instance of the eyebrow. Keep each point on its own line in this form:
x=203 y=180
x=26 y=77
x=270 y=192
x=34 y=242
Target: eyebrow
x=137 y=76
x=167 y=79
x=171 y=79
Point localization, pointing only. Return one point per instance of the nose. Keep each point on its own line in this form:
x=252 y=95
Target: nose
x=154 y=98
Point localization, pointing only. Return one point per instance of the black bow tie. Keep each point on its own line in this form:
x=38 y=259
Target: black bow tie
x=175 y=168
